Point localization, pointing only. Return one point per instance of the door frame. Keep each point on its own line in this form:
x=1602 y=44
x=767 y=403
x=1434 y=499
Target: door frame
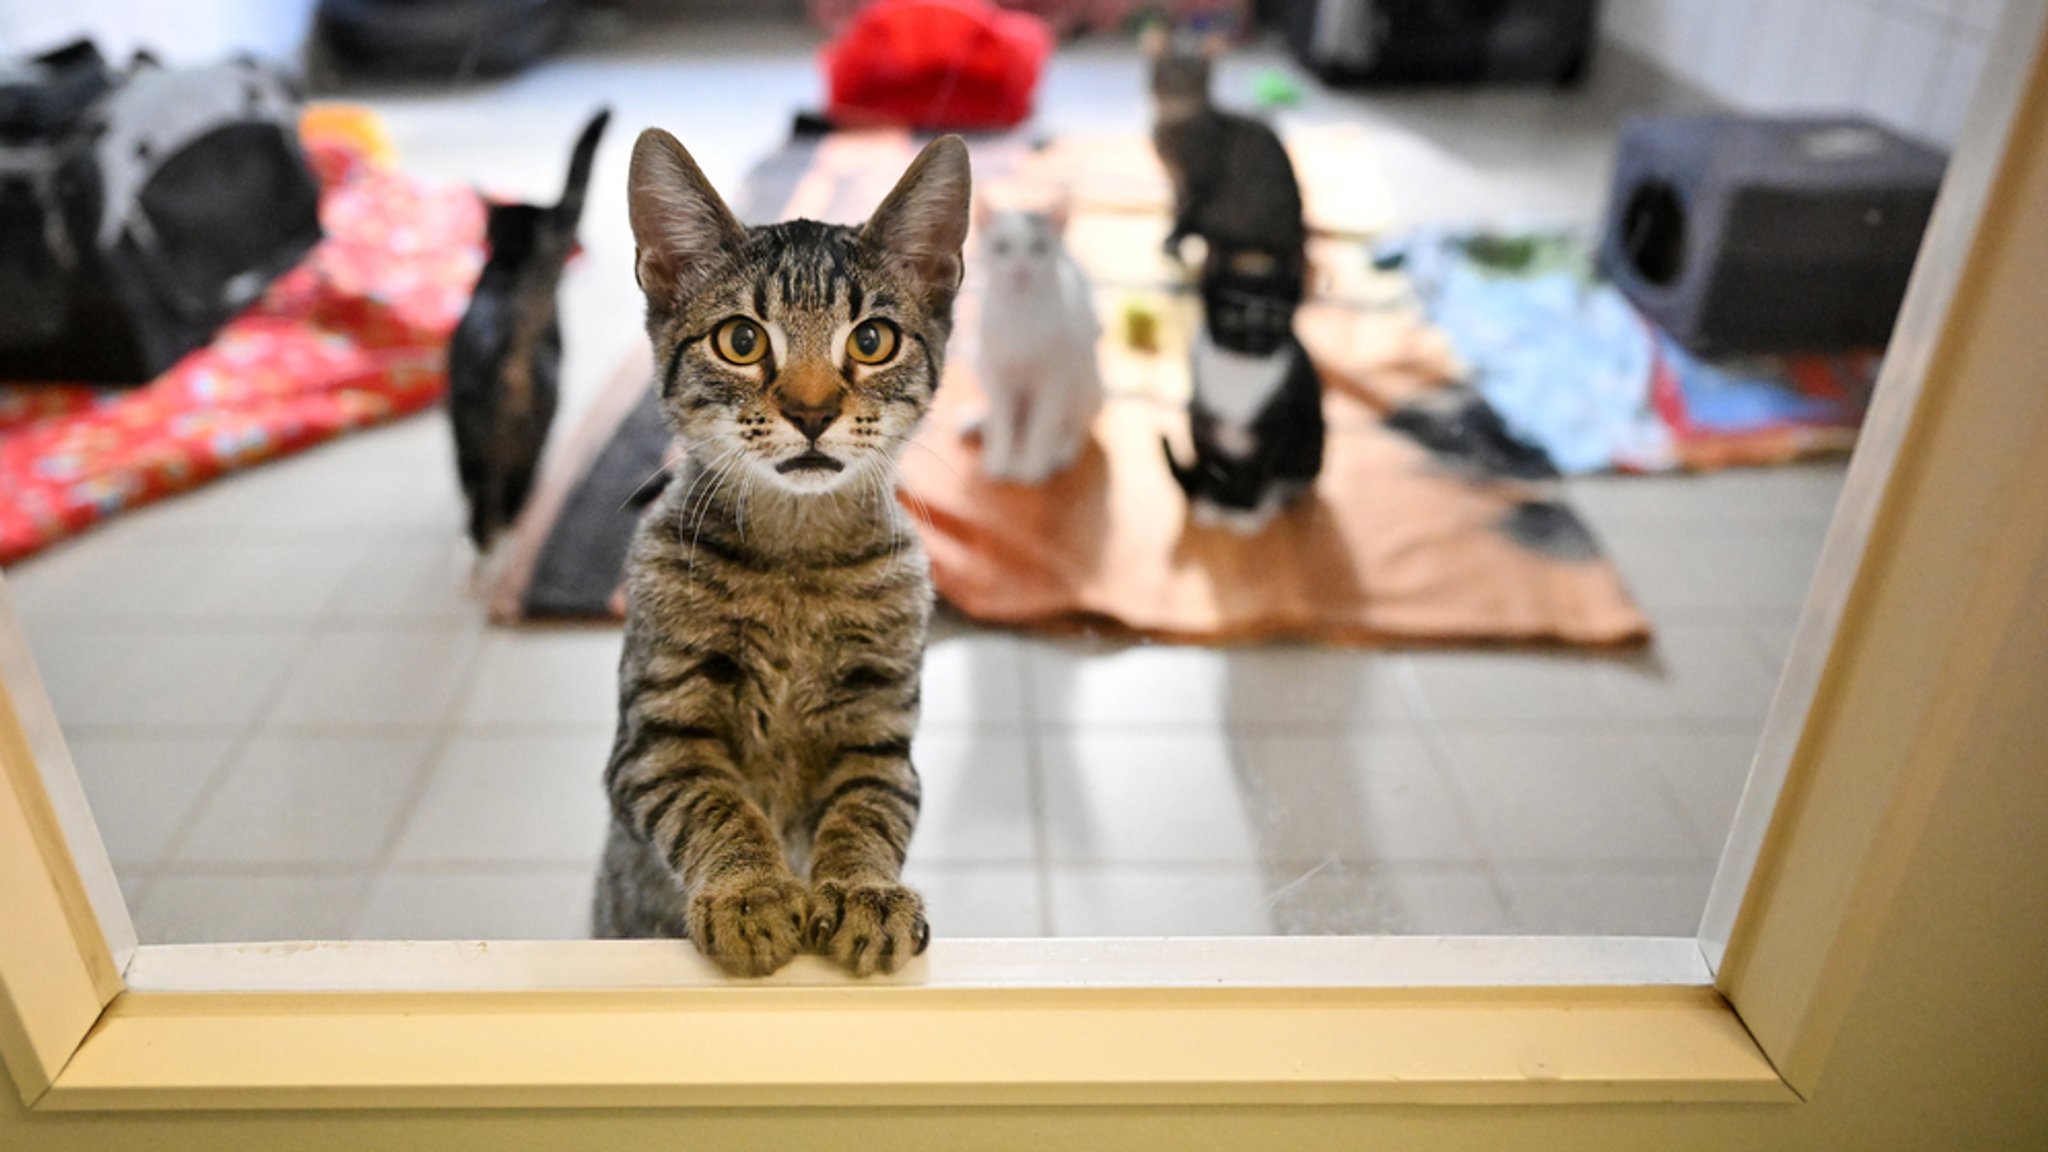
x=1939 y=546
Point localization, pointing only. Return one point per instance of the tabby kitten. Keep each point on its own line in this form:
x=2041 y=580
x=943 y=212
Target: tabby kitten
x=777 y=599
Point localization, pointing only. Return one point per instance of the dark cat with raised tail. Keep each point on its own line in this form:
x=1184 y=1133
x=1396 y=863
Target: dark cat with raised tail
x=762 y=789
x=505 y=359
x=1256 y=417
x=1233 y=184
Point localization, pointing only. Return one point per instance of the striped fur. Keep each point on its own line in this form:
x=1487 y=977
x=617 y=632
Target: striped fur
x=761 y=784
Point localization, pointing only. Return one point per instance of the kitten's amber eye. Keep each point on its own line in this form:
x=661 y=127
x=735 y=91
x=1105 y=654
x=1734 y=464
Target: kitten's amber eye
x=740 y=341
x=872 y=342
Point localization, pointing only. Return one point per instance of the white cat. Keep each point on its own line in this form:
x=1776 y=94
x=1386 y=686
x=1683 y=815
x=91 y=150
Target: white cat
x=1038 y=335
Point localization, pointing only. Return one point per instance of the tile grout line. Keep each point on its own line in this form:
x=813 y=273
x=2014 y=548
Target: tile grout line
x=216 y=780
x=1034 y=777
x=1437 y=746
x=1674 y=804
x=1272 y=887
x=385 y=858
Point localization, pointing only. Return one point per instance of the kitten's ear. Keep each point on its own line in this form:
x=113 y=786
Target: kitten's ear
x=1061 y=211
x=1152 y=41
x=1215 y=44
x=679 y=223
x=923 y=221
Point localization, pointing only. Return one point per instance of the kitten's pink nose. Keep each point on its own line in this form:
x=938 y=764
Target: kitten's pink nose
x=811 y=419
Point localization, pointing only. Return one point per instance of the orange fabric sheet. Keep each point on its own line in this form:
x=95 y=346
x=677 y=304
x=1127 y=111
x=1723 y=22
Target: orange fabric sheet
x=1393 y=546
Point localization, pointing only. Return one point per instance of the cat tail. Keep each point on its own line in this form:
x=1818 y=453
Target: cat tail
x=1182 y=474
x=570 y=210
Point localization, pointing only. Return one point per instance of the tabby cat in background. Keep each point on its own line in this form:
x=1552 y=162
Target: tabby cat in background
x=1255 y=417
x=1233 y=184
x=505 y=359
x=761 y=786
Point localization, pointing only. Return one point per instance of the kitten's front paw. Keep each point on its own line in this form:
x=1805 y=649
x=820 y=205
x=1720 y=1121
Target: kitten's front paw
x=868 y=928
x=749 y=926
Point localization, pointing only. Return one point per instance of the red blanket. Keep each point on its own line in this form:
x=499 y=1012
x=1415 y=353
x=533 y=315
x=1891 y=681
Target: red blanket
x=353 y=336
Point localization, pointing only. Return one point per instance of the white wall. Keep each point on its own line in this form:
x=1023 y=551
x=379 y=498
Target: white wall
x=1911 y=64
x=179 y=31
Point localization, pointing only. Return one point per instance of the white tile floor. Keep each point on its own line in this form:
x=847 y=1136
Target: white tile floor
x=292 y=721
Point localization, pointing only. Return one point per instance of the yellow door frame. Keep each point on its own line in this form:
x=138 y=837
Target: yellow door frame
x=1924 y=615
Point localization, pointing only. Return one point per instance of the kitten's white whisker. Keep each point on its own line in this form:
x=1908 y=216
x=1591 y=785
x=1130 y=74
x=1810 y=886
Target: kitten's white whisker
x=909 y=440
x=838 y=495
x=664 y=466
x=710 y=498
x=703 y=502
x=715 y=472
x=929 y=518
x=883 y=480
x=709 y=475
x=864 y=486
x=698 y=476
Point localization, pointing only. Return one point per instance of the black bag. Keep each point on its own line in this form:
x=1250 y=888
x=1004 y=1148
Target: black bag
x=1462 y=42
x=48 y=199
x=139 y=210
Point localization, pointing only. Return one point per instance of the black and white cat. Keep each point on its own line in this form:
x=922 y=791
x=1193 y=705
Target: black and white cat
x=1256 y=417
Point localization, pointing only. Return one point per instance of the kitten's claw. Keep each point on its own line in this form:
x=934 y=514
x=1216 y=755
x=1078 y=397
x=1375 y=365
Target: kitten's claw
x=868 y=928
x=750 y=926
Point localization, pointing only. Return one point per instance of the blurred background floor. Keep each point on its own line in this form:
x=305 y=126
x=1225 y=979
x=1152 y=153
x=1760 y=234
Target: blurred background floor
x=293 y=722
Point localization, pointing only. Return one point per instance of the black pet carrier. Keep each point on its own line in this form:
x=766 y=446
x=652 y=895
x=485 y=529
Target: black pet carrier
x=1460 y=42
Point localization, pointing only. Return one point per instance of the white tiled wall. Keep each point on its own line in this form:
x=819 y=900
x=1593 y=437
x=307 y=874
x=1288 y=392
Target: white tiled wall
x=1912 y=64
x=187 y=32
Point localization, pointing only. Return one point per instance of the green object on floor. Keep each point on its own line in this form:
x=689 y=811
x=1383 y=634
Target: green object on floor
x=1141 y=325
x=1274 y=88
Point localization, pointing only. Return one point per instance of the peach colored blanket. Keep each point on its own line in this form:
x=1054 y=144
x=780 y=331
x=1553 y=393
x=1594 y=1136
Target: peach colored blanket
x=1394 y=545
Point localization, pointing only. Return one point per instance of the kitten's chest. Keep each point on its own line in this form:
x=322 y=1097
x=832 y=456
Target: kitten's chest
x=1025 y=327
x=1236 y=388
x=786 y=647
x=805 y=660
x=783 y=654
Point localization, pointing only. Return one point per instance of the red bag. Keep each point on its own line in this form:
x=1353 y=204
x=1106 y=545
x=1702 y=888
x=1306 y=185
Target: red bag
x=935 y=64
